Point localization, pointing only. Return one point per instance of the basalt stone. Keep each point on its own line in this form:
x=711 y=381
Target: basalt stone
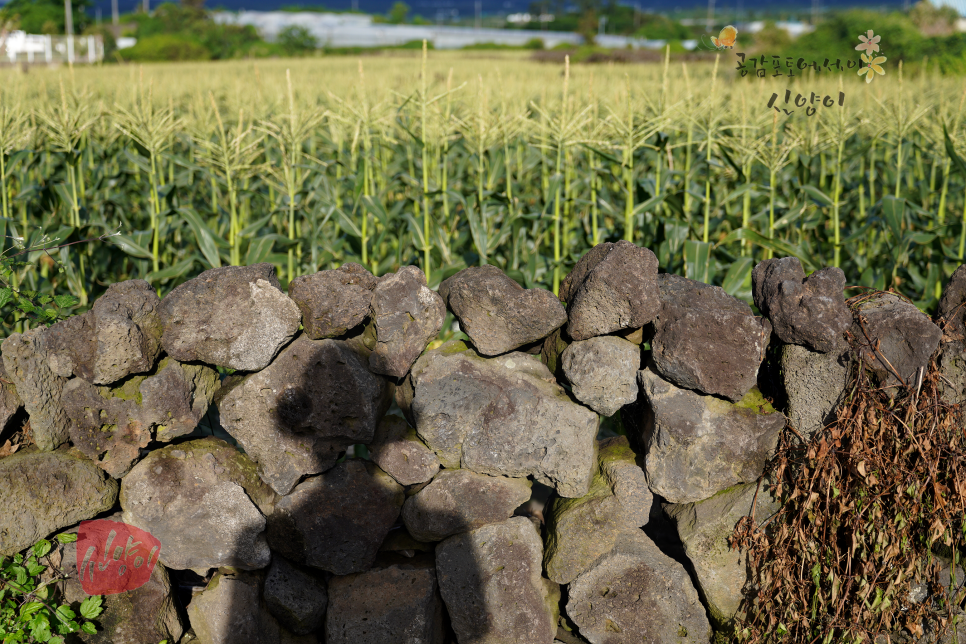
x=297 y=416
x=612 y=287
x=502 y=416
x=952 y=305
x=204 y=501
x=705 y=528
x=398 y=602
x=706 y=340
x=232 y=316
x=297 y=599
x=39 y=387
x=333 y=302
x=809 y=311
x=580 y=531
x=636 y=594
x=815 y=384
x=230 y=611
x=459 y=501
x=406 y=317
x=490 y=580
x=110 y=425
x=398 y=451
x=45 y=491
x=336 y=521
x=895 y=339
x=699 y=445
x=952 y=366
x=146 y=615
x=551 y=353
x=603 y=372
x=498 y=314
x=10 y=402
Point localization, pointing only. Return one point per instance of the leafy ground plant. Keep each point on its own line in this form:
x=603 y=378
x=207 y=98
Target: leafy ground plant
x=29 y=611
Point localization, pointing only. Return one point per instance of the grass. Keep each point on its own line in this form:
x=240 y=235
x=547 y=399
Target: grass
x=448 y=159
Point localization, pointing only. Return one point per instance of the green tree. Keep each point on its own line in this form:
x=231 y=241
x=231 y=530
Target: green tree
x=43 y=16
x=397 y=15
x=297 y=39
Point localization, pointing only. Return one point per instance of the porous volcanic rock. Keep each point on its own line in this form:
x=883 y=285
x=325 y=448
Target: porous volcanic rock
x=232 y=316
x=396 y=602
x=406 y=316
x=498 y=314
x=705 y=528
x=603 y=372
x=204 y=501
x=336 y=521
x=459 y=501
x=25 y=361
x=490 y=580
x=895 y=339
x=952 y=305
x=815 y=384
x=706 y=340
x=230 y=610
x=397 y=449
x=502 y=416
x=580 y=531
x=698 y=445
x=296 y=416
x=333 y=302
x=45 y=491
x=809 y=311
x=296 y=598
x=636 y=594
x=612 y=287
x=10 y=402
x=952 y=361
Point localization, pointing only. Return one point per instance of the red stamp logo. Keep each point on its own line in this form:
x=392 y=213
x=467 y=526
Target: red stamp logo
x=114 y=557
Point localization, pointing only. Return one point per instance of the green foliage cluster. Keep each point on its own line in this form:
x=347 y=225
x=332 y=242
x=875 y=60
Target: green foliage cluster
x=296 y=39
x=29 y=610
x=178 y=33
x=43 y=16
x=43 y=308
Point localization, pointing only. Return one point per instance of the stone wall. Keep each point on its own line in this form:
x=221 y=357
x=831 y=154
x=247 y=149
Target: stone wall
x=570 y=472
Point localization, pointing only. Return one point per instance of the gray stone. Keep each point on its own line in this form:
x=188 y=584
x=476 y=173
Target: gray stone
x=895 y=339
x=612 y=287
x=111 y=425
x=459 y=501
x=296 y=598
x=26 y=364
x=699 y=445
x=502 y=416
x=952 y=366
x=296 y=416
x=815 y=384
x=10 y=402
x=637 y=594
x=551 y=353
x=580 y=531
x=498 y=314
x=952 y=305
x=145 y=615
x=204 y=502
x=406 y=317
x=398 y=451
x=230 y=611
x=333 y=302
x=603 y=372
x=232 y=316
x=706 y=340
x=337 y=521
x=704 y=528
x=490 y=580
x=809 y=311
x=395 y=603
x=43 y=492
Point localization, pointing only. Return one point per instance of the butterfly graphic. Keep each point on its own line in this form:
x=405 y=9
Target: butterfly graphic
x=725 y=40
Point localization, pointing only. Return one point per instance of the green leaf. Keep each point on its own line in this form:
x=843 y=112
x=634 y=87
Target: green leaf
x=253 y=228
x=951 y=151
x=66 y=301
x=41 y=548
x=650 y=204
x=30 y=608
x=819 y=196
x=697 y=259
x=258 y=250
x=89 y=628
x=737 y=273
x=6 y=294
x=894 y=213
x=203 y=235
x=131 y=247
x=91 y=607
x=177 y=270
x=778 y=246
x=65 y=614
x=67 y=537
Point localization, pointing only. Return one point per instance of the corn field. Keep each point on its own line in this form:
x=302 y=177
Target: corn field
x=447 y=160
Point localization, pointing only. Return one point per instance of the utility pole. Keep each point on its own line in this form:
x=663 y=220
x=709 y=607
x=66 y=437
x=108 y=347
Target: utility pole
x=114 y=18
x=145 y=6
x=710 y=15
x=815 y=9
x=637 y=16
x=479 y=14
x=601 y=25
x=69 y=23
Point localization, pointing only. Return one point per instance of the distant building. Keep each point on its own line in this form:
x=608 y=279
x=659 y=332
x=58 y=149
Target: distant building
x=794 y=28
